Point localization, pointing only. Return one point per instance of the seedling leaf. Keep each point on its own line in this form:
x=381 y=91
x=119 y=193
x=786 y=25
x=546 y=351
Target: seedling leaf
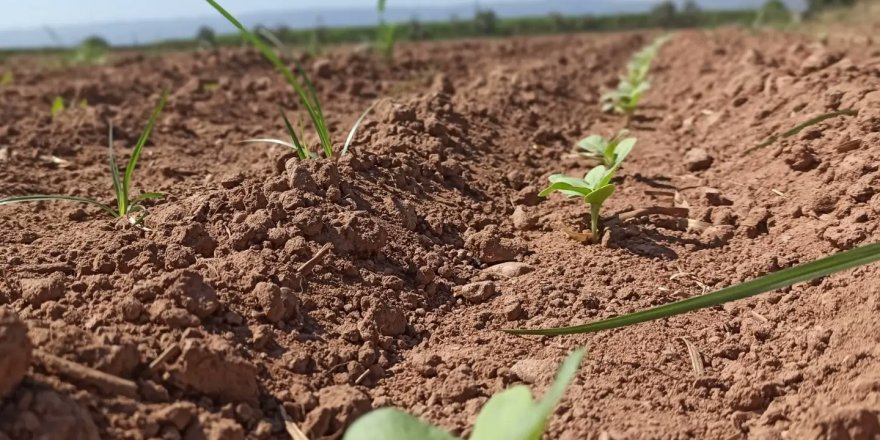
x=566 y=189
x=312 y=106
x=595 y=176
x=593 y=143
x=622 y=150
x=270 y=141
x=57 y=106
x=147 y=196
x=513 y=415
x=354 y=128
x=599 y=196
x=393 y=424
x=142 y=140
x=783 y=278
x=801 y=127
x=46 y=198
x=301 y=150
x=121 y=199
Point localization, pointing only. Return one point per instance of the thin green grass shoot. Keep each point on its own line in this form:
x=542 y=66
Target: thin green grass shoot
x=813 y=121
x=126 y=206
x=305 y=93
x=776 y=280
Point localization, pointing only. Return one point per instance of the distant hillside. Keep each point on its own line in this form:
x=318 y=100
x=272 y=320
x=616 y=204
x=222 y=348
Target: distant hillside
x=142 y=32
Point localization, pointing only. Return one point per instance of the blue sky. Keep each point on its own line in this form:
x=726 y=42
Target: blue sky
x=19 y=14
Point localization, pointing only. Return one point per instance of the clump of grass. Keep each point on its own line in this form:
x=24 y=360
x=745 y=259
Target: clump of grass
x=510 y=415
x=777 y=280
x=305 y=93
x=633 y=85
x=126 y=206
x=609 y=152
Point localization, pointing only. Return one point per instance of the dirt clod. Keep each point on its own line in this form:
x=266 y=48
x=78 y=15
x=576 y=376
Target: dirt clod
x=36 y=291
x=478 y=292
x=509 y=269
x=338 y=407
x=697 y=159
x=211 y=367
x=490 y=246
x=15 y=351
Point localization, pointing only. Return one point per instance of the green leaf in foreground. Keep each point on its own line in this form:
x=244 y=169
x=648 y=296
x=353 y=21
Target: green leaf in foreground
x=514 y=415
x=393 y=424
x=510 y=415
x=783 y=278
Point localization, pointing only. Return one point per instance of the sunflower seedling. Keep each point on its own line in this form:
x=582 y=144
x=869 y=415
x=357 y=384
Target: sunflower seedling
x=305 y=93
x=633 y=85
x=126 y=207
x=610 y=152
x=510 y=415
x=593 y=189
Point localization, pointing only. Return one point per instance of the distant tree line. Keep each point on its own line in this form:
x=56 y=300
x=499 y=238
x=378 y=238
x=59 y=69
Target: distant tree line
x=486 y=23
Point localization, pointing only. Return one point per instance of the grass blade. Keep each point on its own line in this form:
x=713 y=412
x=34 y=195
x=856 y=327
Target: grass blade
x=270 y=141
x=354 y=129
x=312 y=109
x=147 y=196
x=50 y=198
x=142 y=140
x=298 y=146
x=320 y=123
x=121 y=199
x=785 y=277
x=772 y=139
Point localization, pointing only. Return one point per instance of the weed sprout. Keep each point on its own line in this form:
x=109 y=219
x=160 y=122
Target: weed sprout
x=308 y=98
x=126 y=206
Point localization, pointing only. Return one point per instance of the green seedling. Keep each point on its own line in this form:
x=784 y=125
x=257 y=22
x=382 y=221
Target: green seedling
x=510 y=415
x=6 y=79
x=634 y=83
x=777 y=280
x=57 y=106
x=306 y=94
x=625 y=98
x=594 y=189
x=610 y=152
x=126 y=206
x=385 y=33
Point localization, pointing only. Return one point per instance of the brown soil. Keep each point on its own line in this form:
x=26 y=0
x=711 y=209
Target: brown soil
x=205 y=326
